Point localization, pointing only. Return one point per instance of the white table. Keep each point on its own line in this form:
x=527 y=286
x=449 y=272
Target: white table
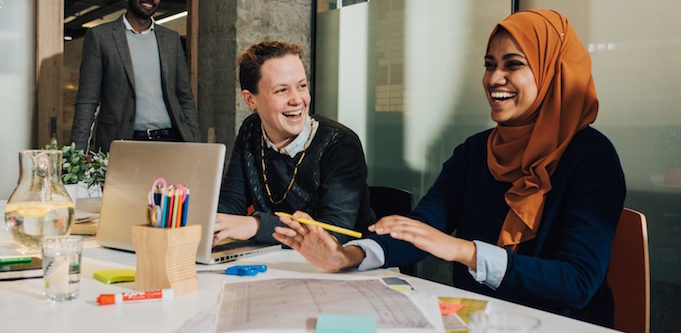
x=24 y=308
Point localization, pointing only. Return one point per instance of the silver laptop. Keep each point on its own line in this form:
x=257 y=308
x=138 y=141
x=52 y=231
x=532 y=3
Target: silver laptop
x=134 y=165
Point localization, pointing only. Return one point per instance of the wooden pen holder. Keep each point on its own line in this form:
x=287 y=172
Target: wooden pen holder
x=166 y=257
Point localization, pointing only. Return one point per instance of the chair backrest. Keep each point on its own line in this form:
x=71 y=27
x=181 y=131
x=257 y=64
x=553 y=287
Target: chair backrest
x=386 y=201
x=629 y=273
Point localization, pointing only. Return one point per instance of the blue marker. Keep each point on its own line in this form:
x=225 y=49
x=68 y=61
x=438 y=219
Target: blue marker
x=185 y=208
x=164 y=205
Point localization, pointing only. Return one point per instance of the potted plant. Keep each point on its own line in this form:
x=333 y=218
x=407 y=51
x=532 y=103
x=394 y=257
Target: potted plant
x=96 y=173
x=82 y=174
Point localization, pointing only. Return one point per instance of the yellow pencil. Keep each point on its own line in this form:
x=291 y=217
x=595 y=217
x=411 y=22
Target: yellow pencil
x=323 y=225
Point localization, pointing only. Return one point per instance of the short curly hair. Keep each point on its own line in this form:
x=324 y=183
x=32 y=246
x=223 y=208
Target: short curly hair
x=250 y=61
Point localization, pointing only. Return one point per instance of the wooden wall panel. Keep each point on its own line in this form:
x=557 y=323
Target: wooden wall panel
x=49 y=52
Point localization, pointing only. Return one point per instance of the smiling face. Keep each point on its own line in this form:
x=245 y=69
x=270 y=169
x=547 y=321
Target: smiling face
x=143 y=8
x=508 y=80
x=283 y=98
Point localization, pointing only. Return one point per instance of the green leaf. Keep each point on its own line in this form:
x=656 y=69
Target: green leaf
x=52 y=146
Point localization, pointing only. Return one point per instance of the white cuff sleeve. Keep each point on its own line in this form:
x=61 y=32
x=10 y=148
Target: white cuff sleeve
x=374 y=257
x=491 y=264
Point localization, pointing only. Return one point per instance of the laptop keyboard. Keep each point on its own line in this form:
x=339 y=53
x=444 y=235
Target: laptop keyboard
x=232 y=245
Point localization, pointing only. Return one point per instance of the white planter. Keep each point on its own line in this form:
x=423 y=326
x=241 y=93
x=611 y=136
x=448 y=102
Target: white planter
x=93 y=192
x=80 y=190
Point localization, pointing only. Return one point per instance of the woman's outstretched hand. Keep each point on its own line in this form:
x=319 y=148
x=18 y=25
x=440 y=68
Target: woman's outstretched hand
x=316 y=245
x=427 y=238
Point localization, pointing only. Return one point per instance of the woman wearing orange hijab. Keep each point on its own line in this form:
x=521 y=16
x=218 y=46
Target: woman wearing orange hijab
x=534 y=201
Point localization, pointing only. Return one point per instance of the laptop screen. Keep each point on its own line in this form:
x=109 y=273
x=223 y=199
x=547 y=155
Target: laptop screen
x=134 y=165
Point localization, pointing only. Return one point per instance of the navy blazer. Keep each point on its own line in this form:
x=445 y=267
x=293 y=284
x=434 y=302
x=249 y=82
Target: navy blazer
x=563 y=269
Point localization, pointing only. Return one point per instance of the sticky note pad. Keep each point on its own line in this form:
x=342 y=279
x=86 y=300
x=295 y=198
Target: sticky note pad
x=398 y=284
x=447 y=309
x=330 y=323
x=110 y=276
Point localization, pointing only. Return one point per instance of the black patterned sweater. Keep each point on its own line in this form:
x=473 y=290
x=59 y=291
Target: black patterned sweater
x=330 y=184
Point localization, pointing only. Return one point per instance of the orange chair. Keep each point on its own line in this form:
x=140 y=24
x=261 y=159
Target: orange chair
x=629 y=273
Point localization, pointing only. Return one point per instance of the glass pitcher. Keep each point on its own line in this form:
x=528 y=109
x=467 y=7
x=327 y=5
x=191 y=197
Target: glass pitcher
x=40 y=205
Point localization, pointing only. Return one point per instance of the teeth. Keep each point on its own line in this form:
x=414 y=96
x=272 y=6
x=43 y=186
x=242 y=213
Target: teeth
x=292 y=113
x=502 y=94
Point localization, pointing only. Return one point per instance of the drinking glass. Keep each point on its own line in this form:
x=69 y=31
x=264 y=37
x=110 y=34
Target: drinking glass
x=501 y=322
x=61 y=266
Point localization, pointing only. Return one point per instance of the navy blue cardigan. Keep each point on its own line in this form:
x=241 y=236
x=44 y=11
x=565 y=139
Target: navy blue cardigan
x=563 y=269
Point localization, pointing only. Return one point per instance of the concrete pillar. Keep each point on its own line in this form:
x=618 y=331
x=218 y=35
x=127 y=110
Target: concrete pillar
x=225 y=29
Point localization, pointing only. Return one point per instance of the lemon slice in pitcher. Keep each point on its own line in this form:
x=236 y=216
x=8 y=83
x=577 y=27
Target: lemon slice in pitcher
x=32 y=210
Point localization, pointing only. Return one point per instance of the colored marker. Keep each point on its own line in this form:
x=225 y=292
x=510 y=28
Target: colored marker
x=164 y=207
x=19 y=260
x=323 y=225
x=185 y=207
x=181 y=194
x=171 y=199
x=176 y=205
x=135 y=296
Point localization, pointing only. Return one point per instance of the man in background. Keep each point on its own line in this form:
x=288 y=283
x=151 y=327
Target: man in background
x=135 y=71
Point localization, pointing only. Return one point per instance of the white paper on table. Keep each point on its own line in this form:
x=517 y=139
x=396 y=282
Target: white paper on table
x=293 y=305
x=429 y=306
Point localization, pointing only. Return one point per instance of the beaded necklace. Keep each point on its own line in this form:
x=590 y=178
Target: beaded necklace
x=295 y=169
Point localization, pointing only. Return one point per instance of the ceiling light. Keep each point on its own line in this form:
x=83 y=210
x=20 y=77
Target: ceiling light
x=171 y=17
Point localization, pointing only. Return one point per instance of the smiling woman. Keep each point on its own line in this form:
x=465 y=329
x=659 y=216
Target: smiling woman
x=508 y=80
x=284 y=159
x=534 y=202
x=282 y=98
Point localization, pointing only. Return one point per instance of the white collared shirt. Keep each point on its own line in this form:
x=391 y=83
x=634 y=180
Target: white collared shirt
x=491 y=260
x=298 y=144
x=128 y=26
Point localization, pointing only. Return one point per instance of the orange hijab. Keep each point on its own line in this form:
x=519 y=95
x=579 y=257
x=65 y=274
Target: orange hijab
x=526 y=154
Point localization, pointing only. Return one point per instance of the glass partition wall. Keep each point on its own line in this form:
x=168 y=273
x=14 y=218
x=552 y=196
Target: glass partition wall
x=17 y=80
x=406 y=76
